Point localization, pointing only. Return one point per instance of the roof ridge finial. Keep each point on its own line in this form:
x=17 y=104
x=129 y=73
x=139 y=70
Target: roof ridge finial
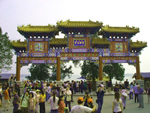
x=107 y=25
x=127 y=26
x=68 y=20
x=90 y=20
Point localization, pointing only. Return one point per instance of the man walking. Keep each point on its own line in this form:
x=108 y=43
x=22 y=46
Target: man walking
x=136 y=92
x=100 y=94
x=140 y=96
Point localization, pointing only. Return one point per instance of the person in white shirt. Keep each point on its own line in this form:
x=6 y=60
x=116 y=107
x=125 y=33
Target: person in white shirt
x=54 y=103
x=34 y=92
x=117 y=104
x=68 y=98
x=48 y=92
x=80 y=108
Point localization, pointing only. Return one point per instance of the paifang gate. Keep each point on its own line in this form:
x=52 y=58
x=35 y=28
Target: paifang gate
x=81 y=42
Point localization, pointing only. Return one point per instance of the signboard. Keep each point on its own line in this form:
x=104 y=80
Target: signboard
x=79 y=42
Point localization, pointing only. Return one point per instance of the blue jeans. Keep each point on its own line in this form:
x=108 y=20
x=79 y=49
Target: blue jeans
x=141 y=101
x=131 y=95
x=99 y=106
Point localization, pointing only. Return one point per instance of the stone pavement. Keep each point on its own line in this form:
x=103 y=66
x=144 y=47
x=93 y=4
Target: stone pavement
x=107 y=106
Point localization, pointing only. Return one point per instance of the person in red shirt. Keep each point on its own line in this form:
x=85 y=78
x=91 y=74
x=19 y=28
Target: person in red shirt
x=61 y=104
x=6 y=99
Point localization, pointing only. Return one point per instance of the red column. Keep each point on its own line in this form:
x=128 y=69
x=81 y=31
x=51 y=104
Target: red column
x=100 y=68
x=58 y=78
x=18 y=69
x=138 y=74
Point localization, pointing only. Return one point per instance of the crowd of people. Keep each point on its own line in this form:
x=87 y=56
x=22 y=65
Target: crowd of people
x=133 y=90
x=35 y=94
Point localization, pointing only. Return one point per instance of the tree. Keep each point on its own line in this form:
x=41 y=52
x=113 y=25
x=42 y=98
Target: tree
x=39 y=72
x=76 y=63
x=65 y=72
x=42 y=72
x=5 y=52
x=89 y=70
x=115 y=70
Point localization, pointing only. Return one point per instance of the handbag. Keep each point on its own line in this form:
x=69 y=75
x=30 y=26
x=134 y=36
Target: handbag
x=124 y=94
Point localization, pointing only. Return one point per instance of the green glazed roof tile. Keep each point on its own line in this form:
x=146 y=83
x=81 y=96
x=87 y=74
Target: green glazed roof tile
x=30 y=28
x=57 y=41
x=100 y=41
x=89 y=24
x=138 y=44
x=126 y=29
x=19 y=44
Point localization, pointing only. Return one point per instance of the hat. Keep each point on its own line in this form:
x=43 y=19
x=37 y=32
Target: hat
x=100 y=85
x=37 y=90
x=80 y=98
x=90 y=100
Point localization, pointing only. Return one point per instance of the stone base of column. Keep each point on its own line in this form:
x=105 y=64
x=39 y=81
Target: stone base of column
x=59 y=83
x=21 y=87
x=141 y=83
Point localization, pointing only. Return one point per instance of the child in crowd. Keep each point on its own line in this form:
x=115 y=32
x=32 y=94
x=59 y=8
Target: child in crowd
x=86 y=97
x=61 y=104
x=131 y=91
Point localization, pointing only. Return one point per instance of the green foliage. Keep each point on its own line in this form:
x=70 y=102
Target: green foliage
x=76 y=63
x=42 y=72
x=115 y=71
x=89 y=70
x=5 y=52
x=39 y=72
x=65 y=72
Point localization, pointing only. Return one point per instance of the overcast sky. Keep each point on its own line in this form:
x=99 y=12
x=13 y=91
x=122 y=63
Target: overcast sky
x=14 y=13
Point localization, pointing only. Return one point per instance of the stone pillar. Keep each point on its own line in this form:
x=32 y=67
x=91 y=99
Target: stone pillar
x=18 y=67
x=58 y=78
x=100 y=69
x=138 y=74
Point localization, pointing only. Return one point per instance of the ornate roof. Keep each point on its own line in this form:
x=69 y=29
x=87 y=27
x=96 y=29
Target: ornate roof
x=81 y=24
x=43 y=29
x=19 y=44
x=126 y=29
x=100 y=41
x=58 y=41
x=138 y=44
x=54 y=41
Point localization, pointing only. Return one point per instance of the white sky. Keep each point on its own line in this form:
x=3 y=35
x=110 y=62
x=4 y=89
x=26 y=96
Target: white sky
x=43 y=12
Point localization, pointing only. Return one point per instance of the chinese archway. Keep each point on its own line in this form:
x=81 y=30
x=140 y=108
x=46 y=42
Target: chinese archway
x=81 y=42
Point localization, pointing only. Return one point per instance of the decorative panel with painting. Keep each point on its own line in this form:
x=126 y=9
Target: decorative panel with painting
x=118 y=48
x=38 y=47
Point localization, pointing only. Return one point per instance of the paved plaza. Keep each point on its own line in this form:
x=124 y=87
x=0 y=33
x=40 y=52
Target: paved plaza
x=107 y=106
